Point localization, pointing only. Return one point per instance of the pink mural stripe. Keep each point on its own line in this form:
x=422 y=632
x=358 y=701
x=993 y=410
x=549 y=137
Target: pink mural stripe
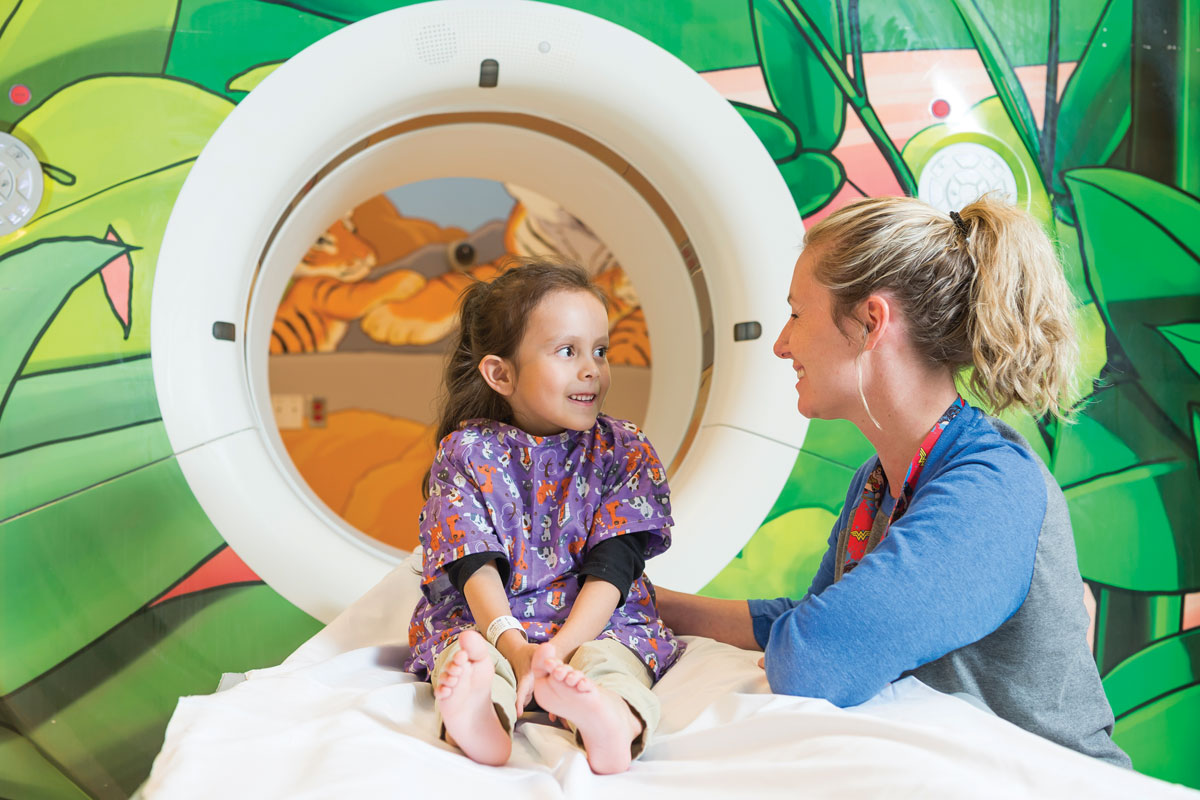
x=742 y=84
x=223 y=568
x=116 y=276
x=1191 y=611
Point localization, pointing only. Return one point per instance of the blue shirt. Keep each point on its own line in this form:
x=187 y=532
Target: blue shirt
x=953 y=569
x=975 y=590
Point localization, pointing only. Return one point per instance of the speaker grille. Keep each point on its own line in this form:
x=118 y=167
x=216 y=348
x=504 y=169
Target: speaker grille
x=437 y=44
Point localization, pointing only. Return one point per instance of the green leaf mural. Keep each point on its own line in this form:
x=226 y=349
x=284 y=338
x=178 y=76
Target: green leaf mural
x=1185 y=337
x=119 y=560
x=797 y=80
x=168 y=121
x=217 y=39
x=24 y=772
x=38 y=476
x=1142 y=247
x=246 y=81
x=1156 y=699
x=73 y=403
x=785 y=551
x=814 y=178
x=130 y=191
x=104 y=721
x=1000 y=70
x=780 y=560
x=776 y=132
x=49 y=44
x=1093 y=114
x=37 y=279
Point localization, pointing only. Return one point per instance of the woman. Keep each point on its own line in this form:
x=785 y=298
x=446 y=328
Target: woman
x=953 y=558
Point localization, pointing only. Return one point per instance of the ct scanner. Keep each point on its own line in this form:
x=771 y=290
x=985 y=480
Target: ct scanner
x=621 y=133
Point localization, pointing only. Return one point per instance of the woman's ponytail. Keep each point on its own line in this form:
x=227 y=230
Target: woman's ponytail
x=982 y=288
x=1021 y=326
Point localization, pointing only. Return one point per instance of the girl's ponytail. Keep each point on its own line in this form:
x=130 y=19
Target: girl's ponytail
x=465 y=393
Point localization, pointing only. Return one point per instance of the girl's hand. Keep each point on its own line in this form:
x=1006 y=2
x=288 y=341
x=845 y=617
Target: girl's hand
x=521 y=659
x=762 y=662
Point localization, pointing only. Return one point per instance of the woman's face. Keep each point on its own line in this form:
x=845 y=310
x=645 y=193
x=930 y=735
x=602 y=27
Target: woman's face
x=822 y=355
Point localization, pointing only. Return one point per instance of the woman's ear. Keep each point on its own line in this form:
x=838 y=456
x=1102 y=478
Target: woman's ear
x=876 y=317
x=499 y=374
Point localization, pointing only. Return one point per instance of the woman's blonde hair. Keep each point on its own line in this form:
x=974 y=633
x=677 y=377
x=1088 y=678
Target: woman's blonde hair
x=984 y=290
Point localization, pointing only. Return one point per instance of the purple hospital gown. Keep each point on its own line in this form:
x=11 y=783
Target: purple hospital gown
x=544 y=501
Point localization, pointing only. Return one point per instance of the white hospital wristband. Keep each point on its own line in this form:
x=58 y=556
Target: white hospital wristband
x=499 y=626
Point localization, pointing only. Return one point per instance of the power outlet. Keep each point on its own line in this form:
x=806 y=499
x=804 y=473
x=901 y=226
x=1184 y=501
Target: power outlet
x=289 y=411
x=316 y=412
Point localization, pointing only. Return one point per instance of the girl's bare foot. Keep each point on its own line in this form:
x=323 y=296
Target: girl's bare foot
x=464 y=697
x=605 y=722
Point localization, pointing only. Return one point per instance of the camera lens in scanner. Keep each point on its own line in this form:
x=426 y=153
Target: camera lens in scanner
x=464 y=254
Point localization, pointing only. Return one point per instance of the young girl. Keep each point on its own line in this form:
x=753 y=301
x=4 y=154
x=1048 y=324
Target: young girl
x=953 y=558
x=540 y=514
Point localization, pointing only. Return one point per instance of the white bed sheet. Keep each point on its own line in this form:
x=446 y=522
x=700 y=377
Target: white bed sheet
x=340 y=719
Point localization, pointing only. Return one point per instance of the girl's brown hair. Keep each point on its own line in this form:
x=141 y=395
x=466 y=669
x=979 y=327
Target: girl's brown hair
x=491 y=321
x=985 y=291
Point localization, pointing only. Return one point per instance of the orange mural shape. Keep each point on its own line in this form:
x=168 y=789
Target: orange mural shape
x=367 y=467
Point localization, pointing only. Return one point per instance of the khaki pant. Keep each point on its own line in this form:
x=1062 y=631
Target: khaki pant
x=606 y=662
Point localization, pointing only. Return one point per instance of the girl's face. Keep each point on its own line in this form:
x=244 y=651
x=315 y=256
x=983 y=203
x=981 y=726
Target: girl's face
x=561 y=366
x=822 y=355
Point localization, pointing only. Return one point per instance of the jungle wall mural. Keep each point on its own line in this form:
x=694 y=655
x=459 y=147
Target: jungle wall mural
x=117 y=594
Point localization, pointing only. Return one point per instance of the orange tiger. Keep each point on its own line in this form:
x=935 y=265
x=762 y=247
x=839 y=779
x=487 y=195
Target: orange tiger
x=426 y=316
x=328 y=290
x=401 y=307
x=628 y=339
x=314 y=314
x=338 y=253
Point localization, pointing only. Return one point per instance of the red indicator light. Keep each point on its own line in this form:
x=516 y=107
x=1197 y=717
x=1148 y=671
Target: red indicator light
x=940 y=109
x=20 y=94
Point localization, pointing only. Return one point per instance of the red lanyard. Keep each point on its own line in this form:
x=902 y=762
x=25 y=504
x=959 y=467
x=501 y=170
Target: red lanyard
x=864 y=515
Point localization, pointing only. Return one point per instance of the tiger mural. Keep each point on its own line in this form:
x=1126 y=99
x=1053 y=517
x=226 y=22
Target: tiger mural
x=332 y=287
x=628 y=339
x=316 y=311
x=402 y=307
x=366 y=465
x=338 y=253
x=428 y=315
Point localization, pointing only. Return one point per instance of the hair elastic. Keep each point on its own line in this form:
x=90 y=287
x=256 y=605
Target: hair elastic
x=960 y=224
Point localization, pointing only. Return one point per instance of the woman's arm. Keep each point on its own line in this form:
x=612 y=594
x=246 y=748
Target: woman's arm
x=954 y=568
x=724 y=620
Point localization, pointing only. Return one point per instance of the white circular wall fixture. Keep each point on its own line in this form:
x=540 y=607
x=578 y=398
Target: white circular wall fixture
x=20 y=183
x=961 y=172
x=573 y=107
